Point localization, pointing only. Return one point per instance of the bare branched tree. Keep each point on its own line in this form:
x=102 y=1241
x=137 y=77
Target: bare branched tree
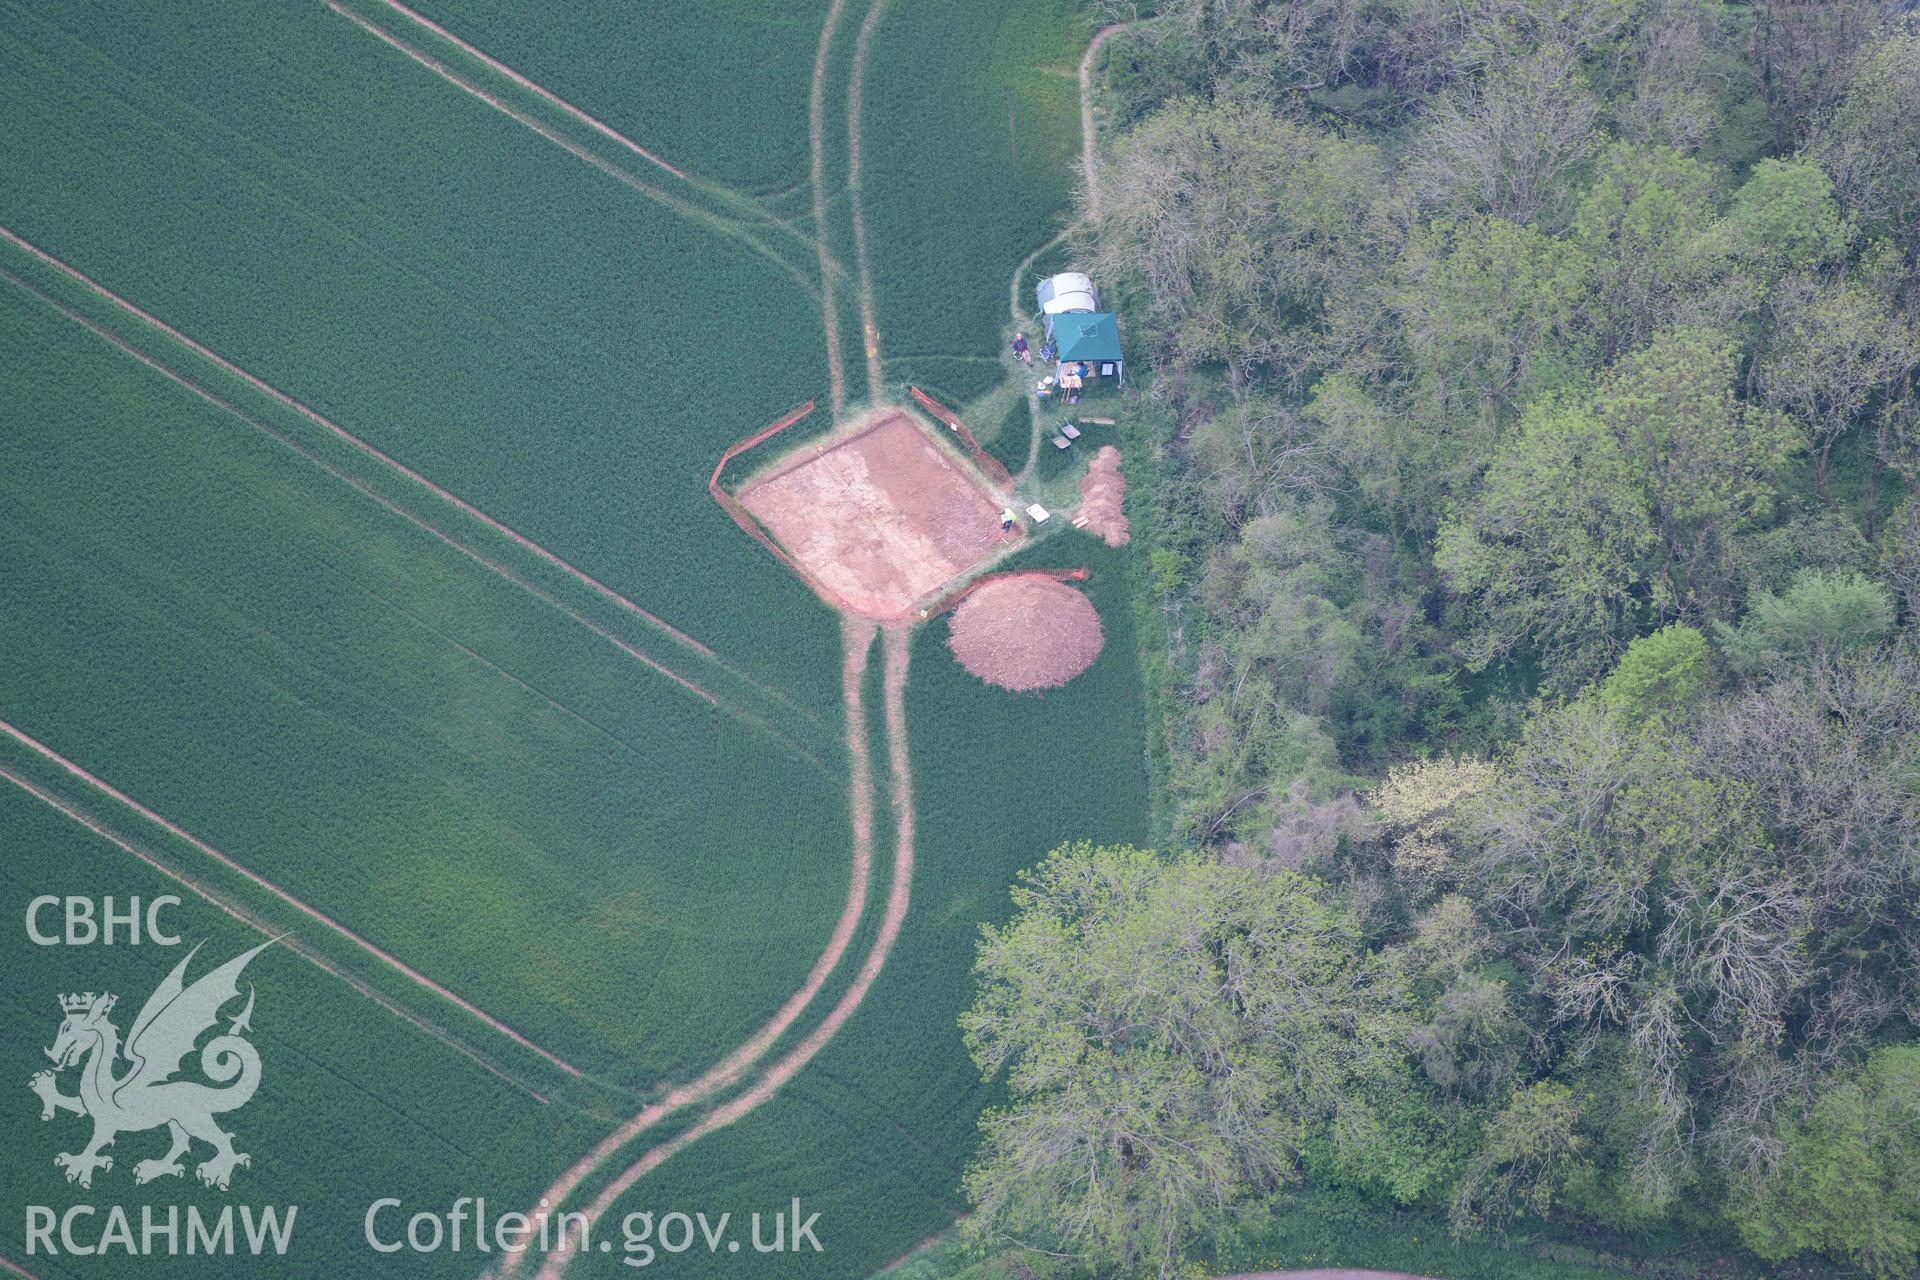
x=1507 y=144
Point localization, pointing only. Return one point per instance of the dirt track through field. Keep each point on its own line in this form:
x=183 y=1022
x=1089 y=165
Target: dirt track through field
x=747 y=209
x=318 y=917
x=193 y=886
x=816 y=145
x=529 y=85
x=13 y=1268
x=1089 y=149
x=346 y=437
x=858 y=633
x=1021 y=317
x=855 y=87
x=733 y=227
x=856 y=643
x=897 y=643
x=1089 y=157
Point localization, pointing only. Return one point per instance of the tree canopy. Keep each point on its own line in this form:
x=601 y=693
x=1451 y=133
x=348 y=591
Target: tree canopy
x=1531 y=419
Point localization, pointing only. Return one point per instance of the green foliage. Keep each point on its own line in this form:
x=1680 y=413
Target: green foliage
x=1143 y=67
x=1658 y=675
x=1872 y=147
x=1556 y=548
x=1840 y=350
x=1169 y=1030
x=1814 y=538
x=1786 y=213
x=1168 y=569
x=1675 y=889
x=1601 y=513
x=1900 y=555
x=1709 y=461
x=1617 y=1114
x=1483 y=311
x=1820 y=614
x=1241 y=227
x=1532 y=1147
x=1647 y=220
x=1631 y=950
x=1845 y=1185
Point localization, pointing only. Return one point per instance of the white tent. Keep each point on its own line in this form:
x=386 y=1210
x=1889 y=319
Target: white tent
x=1068 y=291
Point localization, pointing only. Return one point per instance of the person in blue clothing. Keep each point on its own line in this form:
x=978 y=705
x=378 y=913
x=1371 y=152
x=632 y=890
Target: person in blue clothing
x=1020 y=348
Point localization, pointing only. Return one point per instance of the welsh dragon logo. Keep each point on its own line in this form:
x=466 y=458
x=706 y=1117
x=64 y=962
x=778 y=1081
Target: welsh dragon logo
x=144 y=1095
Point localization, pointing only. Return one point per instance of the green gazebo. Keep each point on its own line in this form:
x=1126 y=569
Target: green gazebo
x=1091 y=336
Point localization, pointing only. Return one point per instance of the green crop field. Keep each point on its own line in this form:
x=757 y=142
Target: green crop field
x=969 y=162
x=458 y=290
x=450 y=766
x=875 y=1133
x=715 y=86
x=362 y=625
x=354 y=1104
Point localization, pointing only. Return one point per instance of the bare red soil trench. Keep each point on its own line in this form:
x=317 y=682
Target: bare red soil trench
x=879 y=519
